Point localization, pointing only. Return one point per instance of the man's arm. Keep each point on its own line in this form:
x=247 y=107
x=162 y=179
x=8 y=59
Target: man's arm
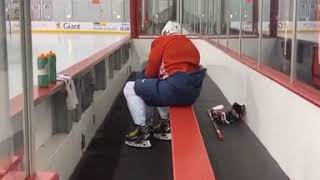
x=155 y=59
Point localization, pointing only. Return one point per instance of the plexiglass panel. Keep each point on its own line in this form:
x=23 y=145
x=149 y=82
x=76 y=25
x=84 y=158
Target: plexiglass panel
x=80 y=10
x=277 y=41
x=154 y=14
x=11 y=102
x=308 y=63
x=250 y=33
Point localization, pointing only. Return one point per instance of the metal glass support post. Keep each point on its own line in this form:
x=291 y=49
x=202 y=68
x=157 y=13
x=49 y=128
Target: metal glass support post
x=200 y=13
x=228 y=22
x=27 y=75
x=143 y=14
x=123 y=10
x=188 y=14
x=111 y=10
x=3 y=42
x=294 y=43
x=152 y=14
x=240 y=32
x=185 y=11
x=212 y=19
x=157 y=9
x=6 y=131
x=134 y=18
x=260 y=31
x=219 y=20
x=209 y=18
x=9 y=18
x=205 y=12
x=181 y=15
x=41 y=10
x=194 y=16
x=177 y=10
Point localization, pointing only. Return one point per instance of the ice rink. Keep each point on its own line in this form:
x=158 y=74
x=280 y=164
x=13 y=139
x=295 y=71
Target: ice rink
x=69 y=48
x=304 y=36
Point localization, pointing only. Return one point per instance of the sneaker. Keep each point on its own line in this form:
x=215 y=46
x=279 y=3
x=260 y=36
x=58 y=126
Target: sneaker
x=162 y=131
x=139 y=137
x=237 y=113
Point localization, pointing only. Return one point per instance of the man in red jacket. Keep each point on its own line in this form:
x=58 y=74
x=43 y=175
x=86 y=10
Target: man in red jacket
x=172 y=77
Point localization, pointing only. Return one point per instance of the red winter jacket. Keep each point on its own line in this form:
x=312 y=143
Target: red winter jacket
x=171 y=54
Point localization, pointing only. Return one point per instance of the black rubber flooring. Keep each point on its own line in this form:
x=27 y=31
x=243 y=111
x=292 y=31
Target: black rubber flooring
x=241 y=156
x=108 y=158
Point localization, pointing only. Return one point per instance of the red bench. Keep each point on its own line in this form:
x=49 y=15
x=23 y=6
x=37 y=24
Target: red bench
x=12 y=171
x=12 y=164
x=189 y=155
x=18 y=175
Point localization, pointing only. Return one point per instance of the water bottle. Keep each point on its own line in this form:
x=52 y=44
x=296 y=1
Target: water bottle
x=52 y=60
x=43 y=76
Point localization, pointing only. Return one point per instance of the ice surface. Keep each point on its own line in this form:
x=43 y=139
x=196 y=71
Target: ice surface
x=69 y=48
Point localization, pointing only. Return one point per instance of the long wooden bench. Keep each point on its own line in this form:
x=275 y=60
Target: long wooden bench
x=11 y=165
x=189 y=155
x=12 y=172
x=19 y=175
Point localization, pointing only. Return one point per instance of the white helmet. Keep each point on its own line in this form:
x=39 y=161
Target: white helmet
x=171 y=28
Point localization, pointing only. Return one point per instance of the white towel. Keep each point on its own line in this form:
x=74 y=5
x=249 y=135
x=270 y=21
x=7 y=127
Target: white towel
x=71 y=99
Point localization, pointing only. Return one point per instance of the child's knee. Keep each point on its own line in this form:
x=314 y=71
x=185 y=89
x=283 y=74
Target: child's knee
x=129 y=89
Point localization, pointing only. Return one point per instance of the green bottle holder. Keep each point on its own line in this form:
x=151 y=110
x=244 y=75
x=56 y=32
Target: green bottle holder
x=52 y=60
x=43 y=76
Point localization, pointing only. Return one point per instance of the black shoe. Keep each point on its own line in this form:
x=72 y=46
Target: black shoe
x=162 y=131
x=237 y=113
x=139 y=137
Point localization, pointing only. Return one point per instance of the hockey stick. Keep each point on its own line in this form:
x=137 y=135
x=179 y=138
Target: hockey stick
x=216 y=127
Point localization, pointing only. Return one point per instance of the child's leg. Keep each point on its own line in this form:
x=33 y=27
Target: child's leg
x=135 y=104
x=164 y=112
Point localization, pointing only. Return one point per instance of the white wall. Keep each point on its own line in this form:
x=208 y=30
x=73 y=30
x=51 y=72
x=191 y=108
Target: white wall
x=285 y=123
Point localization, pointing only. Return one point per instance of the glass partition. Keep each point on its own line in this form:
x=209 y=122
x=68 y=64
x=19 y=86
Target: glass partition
x=89 y=10
x=203 y=17
x=187 y=19
x=234 y=28
x=277 y=30
x=186 y=15
x=154 y=14
x=225 y=22
x=236 y=24
x=11 y=99
x=250 y=33
x=214 y=20
x=307 y=68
